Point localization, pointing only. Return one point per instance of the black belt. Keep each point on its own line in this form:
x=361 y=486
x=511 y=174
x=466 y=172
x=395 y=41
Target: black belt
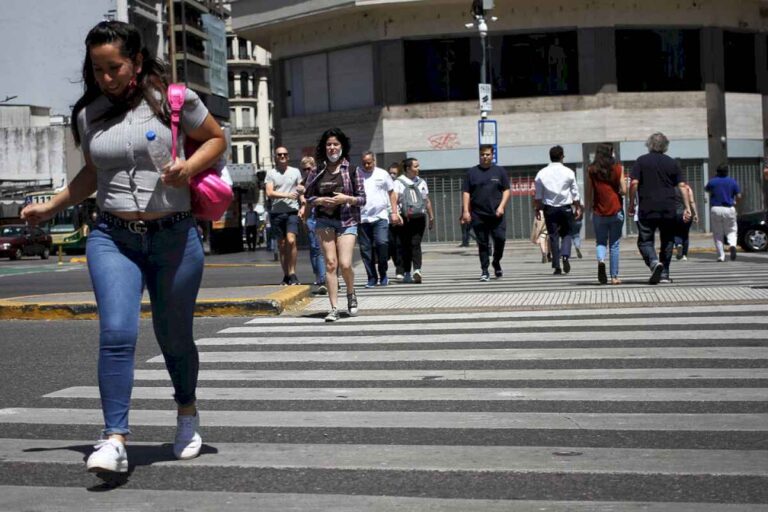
x=143 y=226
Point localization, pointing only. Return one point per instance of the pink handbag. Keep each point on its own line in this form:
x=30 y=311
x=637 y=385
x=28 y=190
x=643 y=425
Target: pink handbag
x=211 y=196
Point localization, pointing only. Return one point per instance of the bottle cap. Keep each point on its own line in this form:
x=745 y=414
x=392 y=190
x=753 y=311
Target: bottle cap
x=151 y=135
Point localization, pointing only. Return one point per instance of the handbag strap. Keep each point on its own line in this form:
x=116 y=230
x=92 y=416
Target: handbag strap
x=176 y=95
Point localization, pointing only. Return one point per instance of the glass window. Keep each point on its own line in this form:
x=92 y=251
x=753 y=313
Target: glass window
x=230 y=52
x=235 y=153
x=242 y=49
x=740 y=64
x=244 y=84
x=437 y=70
x=247 y=154
x=542 y=64
x=351 y=78
x=231 y=80
x=658 y=60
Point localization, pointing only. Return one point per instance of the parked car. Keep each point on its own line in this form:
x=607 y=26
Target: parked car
x=17 y=240
x=753 y=230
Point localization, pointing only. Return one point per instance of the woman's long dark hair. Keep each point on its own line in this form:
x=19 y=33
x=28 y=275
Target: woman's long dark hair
x=604 y=162
x=321 y=157
x=151 y=80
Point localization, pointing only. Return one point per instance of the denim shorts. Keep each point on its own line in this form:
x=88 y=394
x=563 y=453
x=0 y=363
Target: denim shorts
x=335 y=225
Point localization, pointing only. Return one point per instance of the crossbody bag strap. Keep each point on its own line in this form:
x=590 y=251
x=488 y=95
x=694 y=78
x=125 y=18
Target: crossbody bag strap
x=176 y=96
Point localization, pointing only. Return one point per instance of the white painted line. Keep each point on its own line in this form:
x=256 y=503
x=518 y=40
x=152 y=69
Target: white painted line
x=652 y=353
x=413 y=420
x=512 y=459
x=493 y=315
x=448 y=375
x=70 y=499
x=444 y=394
x=504 y=324
x=307 y=338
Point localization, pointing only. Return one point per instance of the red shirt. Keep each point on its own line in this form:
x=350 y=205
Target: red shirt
x=606 y=200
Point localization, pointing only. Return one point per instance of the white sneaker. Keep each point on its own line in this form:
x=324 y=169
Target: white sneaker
x=188 y=442
x=109 y=456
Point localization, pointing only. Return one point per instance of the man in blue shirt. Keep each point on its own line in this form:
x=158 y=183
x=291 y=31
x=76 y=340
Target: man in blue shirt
x=724 y=193
x=484 y=197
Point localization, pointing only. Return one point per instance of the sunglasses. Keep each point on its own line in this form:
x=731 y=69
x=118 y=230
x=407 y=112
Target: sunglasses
x=282 y=154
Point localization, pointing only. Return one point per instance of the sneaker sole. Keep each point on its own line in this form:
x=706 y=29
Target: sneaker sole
x=122 y=468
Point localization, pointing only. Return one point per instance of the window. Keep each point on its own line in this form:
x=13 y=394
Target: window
x=539 y=64
x=244 y=84
x=235 y=153
x=740 y=64
x=658 y=60
x=247 y=154
x=242 y=49
x=437 y=70
x=231 y=80
x=543 y=64
x=230 y=51
x=338 y=80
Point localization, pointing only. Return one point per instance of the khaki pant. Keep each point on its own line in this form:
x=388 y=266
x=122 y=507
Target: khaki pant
x=722 y=220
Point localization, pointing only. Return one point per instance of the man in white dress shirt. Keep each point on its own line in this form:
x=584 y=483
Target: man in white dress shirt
x=557 y=196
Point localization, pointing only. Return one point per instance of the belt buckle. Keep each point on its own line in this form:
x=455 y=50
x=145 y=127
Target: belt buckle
x=137 y=226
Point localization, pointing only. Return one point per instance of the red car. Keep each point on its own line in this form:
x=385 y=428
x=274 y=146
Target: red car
x=17 y=240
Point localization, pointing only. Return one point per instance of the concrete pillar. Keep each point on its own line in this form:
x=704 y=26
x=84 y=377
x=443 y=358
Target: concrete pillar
x=713 y=74
x=597 y=60
x=264 y=158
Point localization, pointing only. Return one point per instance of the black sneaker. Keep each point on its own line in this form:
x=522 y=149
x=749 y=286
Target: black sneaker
x=497 y=271
x=656 y=271
x=286 y=280
x=733 y=252
x=566 y=265
x=485 y=277
x=557 y=272
x=321 y=289
x=352 y=304
x=578 y=253
x=602 y=277
x=665 y=280
x=679 y=251
x=293 y=279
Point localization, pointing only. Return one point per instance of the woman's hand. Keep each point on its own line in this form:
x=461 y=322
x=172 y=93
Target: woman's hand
x=177 y=175
x=339 y=199
x=36 y=213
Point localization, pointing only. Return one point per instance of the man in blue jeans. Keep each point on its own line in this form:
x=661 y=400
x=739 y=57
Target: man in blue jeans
x=373 y=231
x=654 y=179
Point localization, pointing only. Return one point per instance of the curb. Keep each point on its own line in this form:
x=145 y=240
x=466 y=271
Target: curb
x=270 y=305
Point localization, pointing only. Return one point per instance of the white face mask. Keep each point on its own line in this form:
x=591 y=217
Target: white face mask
x=333 y=158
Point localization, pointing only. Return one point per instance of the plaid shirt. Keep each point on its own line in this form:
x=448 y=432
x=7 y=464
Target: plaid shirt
x=350 y=214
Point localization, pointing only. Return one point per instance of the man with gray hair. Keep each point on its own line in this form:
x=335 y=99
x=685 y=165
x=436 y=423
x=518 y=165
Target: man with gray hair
x=654 y=178
x=379 y=211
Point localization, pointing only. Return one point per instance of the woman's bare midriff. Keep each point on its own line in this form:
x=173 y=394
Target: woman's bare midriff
x=142 y=215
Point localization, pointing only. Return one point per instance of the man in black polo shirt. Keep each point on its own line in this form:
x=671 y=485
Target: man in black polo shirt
x=654 y=178
x=484 y=196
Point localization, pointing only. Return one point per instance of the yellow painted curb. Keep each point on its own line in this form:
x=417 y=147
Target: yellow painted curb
x=270 y=305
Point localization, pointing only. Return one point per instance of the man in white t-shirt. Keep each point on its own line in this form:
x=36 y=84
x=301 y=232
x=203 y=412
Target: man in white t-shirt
x=373 y=231
x=282 y=187
x=251 y=227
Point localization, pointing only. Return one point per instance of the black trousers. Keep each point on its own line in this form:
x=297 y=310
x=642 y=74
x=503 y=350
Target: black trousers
x=487 y=230
x=559 y=220
x=411 y=233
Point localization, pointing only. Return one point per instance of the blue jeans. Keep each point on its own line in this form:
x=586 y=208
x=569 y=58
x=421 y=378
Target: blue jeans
x=315 y=254
x=373 y=238
x=608 y=229
x=169 y=262
x=646 y=233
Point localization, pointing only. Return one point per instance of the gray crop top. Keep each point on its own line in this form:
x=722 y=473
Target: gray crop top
x=126 y=178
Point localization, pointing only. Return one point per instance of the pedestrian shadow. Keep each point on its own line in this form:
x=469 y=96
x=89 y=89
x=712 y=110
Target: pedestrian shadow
x=138 y=456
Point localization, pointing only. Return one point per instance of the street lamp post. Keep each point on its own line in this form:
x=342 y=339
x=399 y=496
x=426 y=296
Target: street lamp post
x=479 y=11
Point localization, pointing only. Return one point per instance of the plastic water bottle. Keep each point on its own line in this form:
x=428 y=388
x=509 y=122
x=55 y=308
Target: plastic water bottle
x=158 y=152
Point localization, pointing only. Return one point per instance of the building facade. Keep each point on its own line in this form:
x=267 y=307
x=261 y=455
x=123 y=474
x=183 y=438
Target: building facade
x=401 y=78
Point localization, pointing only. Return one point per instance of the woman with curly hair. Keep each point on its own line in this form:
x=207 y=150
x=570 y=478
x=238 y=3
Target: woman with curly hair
x=336 y=190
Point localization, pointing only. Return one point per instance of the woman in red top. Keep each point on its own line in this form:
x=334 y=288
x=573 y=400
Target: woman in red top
x=609 y=188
